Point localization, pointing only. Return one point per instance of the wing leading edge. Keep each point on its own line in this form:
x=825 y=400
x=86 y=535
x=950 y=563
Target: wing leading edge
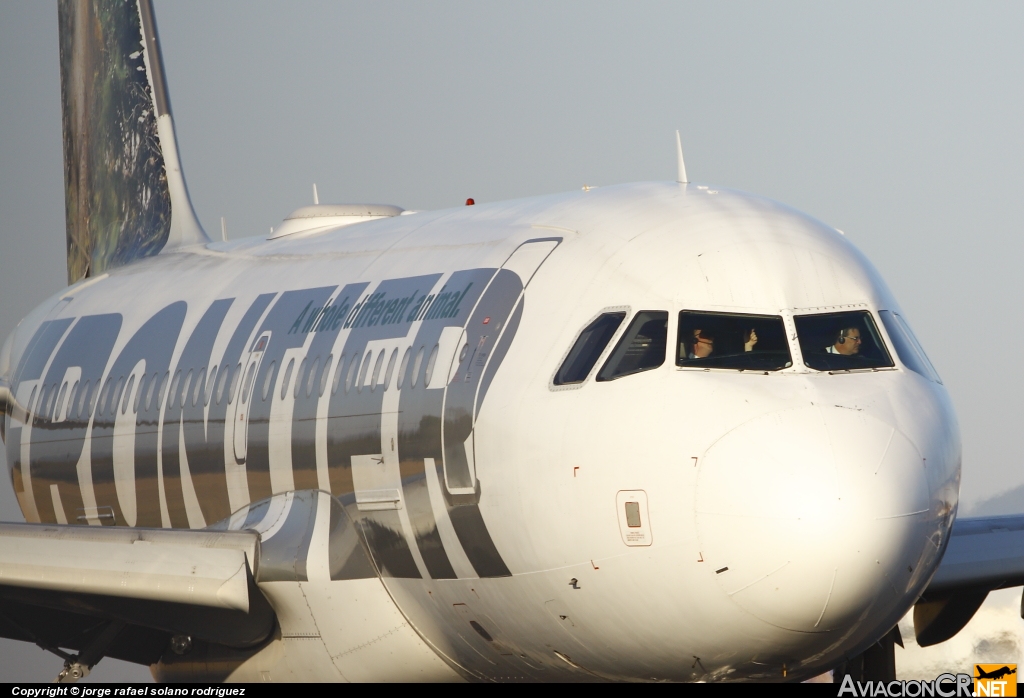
x=128 y=593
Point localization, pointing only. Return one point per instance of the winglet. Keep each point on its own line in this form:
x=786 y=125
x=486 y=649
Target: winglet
x=680 y=165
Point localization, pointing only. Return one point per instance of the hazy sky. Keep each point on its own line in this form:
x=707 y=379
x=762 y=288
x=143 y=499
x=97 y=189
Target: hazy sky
x=901 y=124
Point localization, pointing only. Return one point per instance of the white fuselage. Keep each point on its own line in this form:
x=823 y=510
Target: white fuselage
x=789 y=518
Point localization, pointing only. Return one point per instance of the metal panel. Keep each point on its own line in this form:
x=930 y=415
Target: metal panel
x=190 y=567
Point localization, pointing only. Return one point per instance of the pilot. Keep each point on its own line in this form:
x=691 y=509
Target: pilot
x=703 y=344
x=749 y=339
x=847 y=343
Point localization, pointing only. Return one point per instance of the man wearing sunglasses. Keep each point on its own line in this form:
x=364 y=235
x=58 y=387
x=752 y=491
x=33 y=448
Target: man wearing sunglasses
x=703 y=344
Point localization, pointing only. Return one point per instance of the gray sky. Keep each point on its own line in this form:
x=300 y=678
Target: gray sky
x=898 y=123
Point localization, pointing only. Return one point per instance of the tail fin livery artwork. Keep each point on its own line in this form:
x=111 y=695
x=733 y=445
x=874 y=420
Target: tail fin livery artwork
x=124 y=192
x=597 y=435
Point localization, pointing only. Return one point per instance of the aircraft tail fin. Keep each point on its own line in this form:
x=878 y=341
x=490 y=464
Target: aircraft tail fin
x=124 y=191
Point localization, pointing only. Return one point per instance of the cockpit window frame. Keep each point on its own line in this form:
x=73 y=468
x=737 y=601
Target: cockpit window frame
x=602 y=357
x=610 y=371
x=926 y=369
x=880 y=332
x=782 y=316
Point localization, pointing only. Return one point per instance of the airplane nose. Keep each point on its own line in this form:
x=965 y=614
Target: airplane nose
x=817 y=517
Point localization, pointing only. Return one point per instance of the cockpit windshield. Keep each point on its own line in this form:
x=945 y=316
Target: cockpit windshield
x=732 y=340
x=841 y=341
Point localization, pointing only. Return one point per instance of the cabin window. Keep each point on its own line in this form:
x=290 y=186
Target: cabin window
x=311 y=377
x=298 y=378
x=732 y=341
x=160 y=390
x=183 y=397
x=138 y=394
x=104 y=394
x=403 y=367
x=353 y=366
x=391 y=368
x=367 y=359
x=338 y=370
x=200 y=386
x=210 y=383
x=115 y=398
x=83 y=398
x=236 y=374
x=170 y=393
x=71 y=400
x=38 y=411
x=60 y=402
x=325 y=374
x=44 y=392
x=287 y=377
x=153 y=380
x=907 y=347
x=416 y=367
x=845 y=341
x=94 y=393
x=127 y=394
x=430 y=366
x=50 y=395
x=641 y=348
x=269 y=380
x=39 y=404
x=587 y=348
x=223 y=381
x=376 y=371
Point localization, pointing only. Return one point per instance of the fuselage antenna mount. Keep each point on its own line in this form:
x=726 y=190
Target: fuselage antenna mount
x=680 y=165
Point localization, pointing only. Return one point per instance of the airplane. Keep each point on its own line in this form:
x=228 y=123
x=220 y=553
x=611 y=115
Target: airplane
x=995 y=673
x=653 y=431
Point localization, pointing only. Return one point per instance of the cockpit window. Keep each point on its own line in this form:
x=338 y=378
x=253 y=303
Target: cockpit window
x=907 y=347
x=733 y=341
x=587 y=349
x=841 y=341
x=641 y=348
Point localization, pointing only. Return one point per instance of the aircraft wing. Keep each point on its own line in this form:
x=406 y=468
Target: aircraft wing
x=984 y=554
x=125 y=593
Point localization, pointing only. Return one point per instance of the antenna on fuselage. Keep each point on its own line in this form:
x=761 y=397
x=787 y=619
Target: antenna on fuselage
x=316 y=197
x=680 y=165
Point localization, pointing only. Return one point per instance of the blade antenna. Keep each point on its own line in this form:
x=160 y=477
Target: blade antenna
x=316 y=196
x=680 y=165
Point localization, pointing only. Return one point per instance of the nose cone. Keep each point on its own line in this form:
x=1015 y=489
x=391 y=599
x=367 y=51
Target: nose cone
x=822 y=516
